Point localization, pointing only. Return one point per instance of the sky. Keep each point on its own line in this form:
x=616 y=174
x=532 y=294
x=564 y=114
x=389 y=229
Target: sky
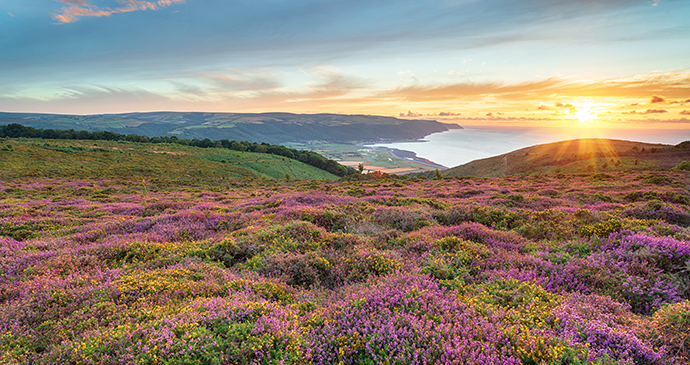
x=620 y=63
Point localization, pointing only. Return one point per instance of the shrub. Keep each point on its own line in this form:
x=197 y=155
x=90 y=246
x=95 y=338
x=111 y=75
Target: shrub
x=670 y=327
x=602 y=229
x=683 y=166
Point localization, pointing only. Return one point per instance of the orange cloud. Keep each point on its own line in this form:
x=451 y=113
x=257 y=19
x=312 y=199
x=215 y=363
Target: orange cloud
x=648 y=111
x=655 y=99
x=82 y=8
x=685 y=112
x=674 y=85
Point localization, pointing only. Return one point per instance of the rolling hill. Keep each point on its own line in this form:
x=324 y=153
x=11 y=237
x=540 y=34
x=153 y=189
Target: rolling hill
x=579 y=155
x=23 y=158
x=275 y=128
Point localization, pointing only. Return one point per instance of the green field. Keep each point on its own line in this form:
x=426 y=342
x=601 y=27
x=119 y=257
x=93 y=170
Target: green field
x=37 y=158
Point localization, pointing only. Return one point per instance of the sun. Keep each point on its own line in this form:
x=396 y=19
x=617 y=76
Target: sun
x=585 y=115
x=587 y=112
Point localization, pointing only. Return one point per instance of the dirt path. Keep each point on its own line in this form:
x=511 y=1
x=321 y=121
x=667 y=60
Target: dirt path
x=505 y=165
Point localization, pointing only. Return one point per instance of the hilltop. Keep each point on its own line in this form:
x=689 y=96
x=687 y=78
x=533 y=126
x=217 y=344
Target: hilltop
x=276 y=128
x=578 y=155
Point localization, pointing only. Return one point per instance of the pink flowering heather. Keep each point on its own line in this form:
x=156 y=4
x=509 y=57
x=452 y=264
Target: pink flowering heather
x=571 y=269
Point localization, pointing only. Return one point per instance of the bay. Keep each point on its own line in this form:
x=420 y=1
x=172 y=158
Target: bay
x=460 y=146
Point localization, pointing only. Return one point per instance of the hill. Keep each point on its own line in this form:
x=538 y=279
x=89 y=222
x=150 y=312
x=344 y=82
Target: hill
x=274 y=128
x=22 y=159
x=579 y=155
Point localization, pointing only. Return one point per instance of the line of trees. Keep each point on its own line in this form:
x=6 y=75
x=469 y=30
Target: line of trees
x=16 y=130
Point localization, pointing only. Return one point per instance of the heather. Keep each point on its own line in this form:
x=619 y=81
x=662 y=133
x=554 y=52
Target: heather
x=542 y=269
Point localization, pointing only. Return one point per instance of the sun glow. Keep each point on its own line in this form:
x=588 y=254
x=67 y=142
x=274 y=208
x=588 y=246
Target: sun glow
x=585 y=115
x=588 y=112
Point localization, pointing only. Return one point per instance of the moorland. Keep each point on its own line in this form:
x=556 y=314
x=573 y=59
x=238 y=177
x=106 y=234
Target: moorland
x=275 y=128
x=191 y=260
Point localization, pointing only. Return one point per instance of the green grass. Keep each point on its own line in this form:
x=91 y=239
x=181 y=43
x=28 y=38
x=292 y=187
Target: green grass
x=36 y=158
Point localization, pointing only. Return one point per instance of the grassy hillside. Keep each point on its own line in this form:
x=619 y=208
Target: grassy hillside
x=574 y=156
x=36 y=158
x=275 y=128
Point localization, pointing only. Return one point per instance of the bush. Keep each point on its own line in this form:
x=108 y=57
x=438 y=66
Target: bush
x=683 y=166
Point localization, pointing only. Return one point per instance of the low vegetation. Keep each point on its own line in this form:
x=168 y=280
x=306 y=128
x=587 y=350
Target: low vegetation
x=581 y=155
x=125 y=268
x=123 y=160
x=307 y=157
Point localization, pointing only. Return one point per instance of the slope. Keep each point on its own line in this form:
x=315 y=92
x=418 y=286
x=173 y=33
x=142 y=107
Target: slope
x=30 y=158
x=578 y=155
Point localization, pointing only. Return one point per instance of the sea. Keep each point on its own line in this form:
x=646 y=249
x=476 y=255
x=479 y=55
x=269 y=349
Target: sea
x=459 y=146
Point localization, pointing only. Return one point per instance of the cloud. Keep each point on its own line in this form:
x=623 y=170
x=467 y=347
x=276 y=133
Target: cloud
x=468 y=91
x=83 y=8
x=641 y=86
x=543 y=107
x=10 y=14
x=79 y=2
x=561 y=105
x=327 y=83
x=91 y=99
x=440 y=114
x=655 y=99
x=662 y=100
x=238 y=81
x=685 y=112
x=648 y=111
x=190 y=89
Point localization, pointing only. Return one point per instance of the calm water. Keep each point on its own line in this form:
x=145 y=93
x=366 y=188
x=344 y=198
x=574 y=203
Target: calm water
x=459 y=146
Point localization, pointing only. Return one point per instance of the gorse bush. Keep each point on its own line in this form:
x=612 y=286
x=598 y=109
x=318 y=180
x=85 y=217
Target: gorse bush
x=569 y=269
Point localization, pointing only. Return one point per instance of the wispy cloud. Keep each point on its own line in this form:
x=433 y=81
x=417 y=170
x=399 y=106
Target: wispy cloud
x=239 y=81
x=470 y=91
x=84 y=8
x=648 y=111
x=99 y=99
x=327 y=83
x=675 y=85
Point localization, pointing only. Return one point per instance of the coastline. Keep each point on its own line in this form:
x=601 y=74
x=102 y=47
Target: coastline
x=411 y=156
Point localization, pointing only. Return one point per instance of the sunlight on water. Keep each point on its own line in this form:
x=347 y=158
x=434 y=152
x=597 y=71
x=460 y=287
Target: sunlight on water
x=460 y=146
